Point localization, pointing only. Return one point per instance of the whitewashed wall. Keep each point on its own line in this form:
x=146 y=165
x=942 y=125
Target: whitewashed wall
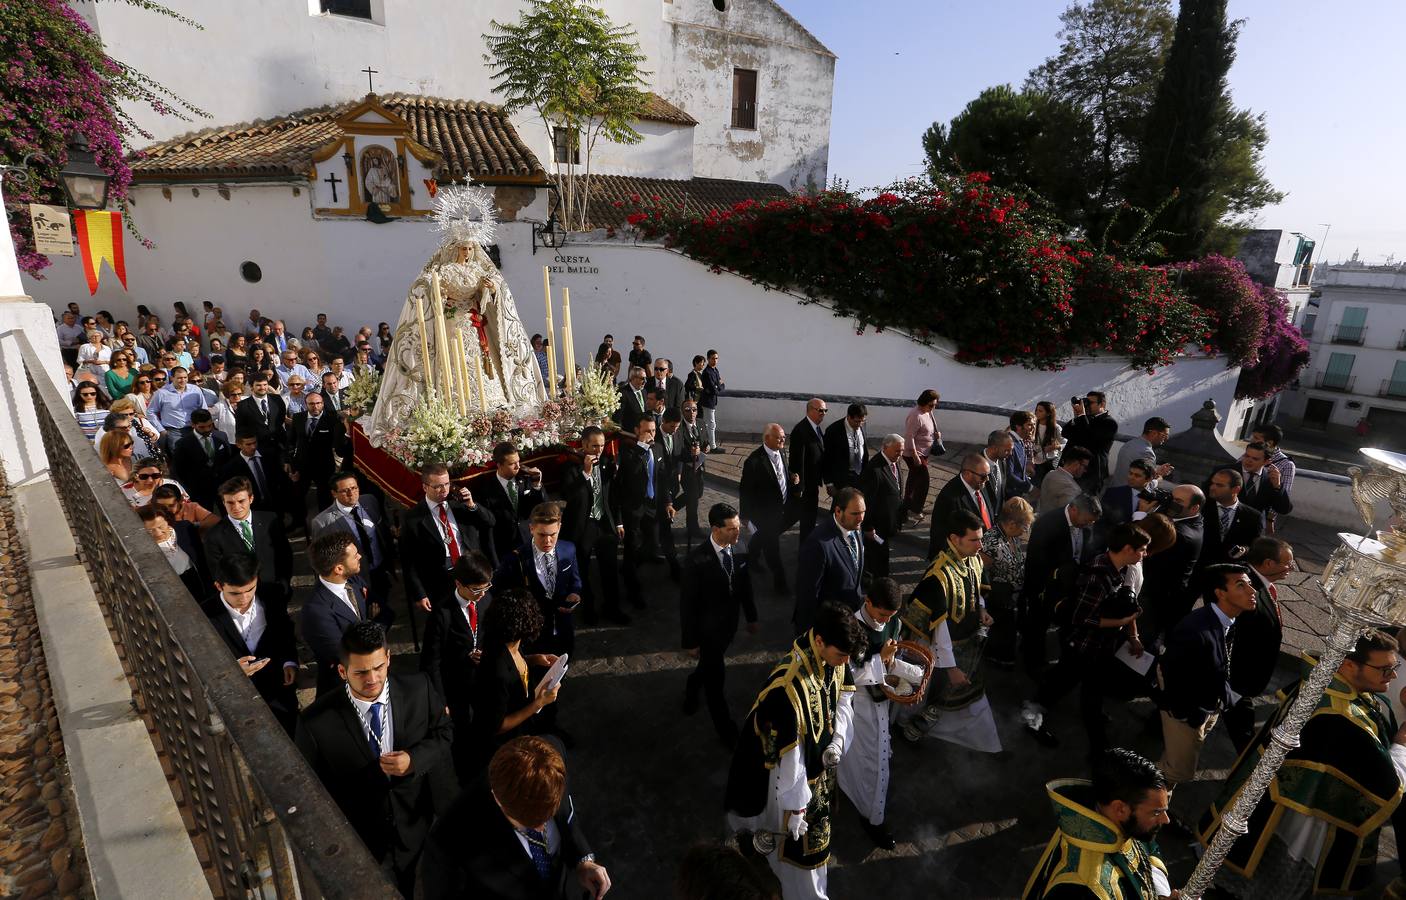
x=665 y=152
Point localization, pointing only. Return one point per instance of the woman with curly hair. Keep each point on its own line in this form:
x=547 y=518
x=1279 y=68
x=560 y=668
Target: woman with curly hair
x=505 y=698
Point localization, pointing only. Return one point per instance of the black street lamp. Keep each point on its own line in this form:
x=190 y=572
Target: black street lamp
x=84 y=182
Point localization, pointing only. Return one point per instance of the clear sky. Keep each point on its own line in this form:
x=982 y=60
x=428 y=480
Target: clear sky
x=1332 y=80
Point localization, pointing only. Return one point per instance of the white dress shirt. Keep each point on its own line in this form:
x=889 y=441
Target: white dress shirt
x=439 y=526
x=778 y=467
x=363 y=710
x=341 y=590
x=250 y=624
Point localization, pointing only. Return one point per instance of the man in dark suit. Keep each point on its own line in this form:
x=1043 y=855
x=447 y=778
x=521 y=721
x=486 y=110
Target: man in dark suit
x=665 y=380
x=831 y=567
x=382 y=750
x=453 y=649
x=638 y=494
x=632 y=407
x=435 y=533
x=264 y=468
x=963 y=492
x=999 y=449
x=1120 y=502
x=1258 y=635
x=1228 y=526
x=316 y=437
x=245 y=531
x=1061 y=541
x=333 y=396
x=883 y=499
x=1167 y=591
x=1019 y=470
x=654 y=406
x=807 y=461
x=845 y=452
x=545 y=567
x=198 y=458
x=263 y=414
x=767 y=495
x=588 y=522
x=361 y=517
x=339 y=599
x=514 y=835
x=510 y=495
x=692 y=464
x=1264 y=484
x=716 y=585
x=1193 y=671
x=676 y=458
x=259 y=634
x=1095 y=430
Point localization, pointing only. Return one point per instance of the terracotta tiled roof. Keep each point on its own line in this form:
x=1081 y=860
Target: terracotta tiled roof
x=473 y=139
x=696 y=194
x=657 y=109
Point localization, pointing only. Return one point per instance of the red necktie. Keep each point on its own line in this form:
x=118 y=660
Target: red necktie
x=449 y=540
x=1274 y=596
x=985 y=513
x=473 y=616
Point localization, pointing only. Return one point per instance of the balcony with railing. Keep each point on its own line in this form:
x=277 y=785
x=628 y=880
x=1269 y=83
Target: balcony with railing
x=1350 y=334
x=1333 y=381
x=1393 y=389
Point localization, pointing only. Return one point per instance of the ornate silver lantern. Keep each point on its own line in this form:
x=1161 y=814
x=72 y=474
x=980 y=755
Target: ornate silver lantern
x=1365 y=581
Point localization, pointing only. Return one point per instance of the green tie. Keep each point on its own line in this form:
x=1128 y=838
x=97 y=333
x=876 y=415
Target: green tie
x=512 y=493
x=639 y=398
x=668 y=445
x=209 y=448
x=247 y=532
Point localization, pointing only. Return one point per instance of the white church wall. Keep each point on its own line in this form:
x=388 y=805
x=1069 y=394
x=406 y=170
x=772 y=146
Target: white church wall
x=665 y=152
x=795 y=85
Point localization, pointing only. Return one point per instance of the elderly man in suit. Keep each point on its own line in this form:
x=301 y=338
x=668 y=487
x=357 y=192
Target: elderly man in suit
x=545 y=567
x=244 y=531
x=1228 y=526
x=883 y=498
x=632 y=403
x=588 y=521
x=831 y=567
x=436 y=532
x=514 y=835
x=844 y=449
x=1060 y=541
x=665 y=380
x=381 y=748
x=362 y=518
x=198 y=458
x=963 y=492
x=641 y=497
x=1167 y=591
x=1000 y=446
x=693 y=461
x=767 y=495
x=807 y=460
x=339 y=599
x=316 y=437
x=1258 y=636
x=259 y=634
x=717 y=585
x=1155 y=432
x=1194 y=670
x=511 y=494
x=1064 y=482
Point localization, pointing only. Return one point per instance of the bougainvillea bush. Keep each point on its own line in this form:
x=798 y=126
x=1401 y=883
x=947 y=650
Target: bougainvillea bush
x=58 y=81
x=961 y=259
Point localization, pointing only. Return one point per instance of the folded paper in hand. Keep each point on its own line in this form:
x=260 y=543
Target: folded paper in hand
x=556 y=673
x=1139 y=664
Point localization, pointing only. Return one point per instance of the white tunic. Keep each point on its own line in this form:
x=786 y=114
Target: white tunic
x=864 y=769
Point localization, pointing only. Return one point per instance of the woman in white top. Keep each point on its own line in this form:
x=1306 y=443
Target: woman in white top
x=222 y=412
x=95 y=355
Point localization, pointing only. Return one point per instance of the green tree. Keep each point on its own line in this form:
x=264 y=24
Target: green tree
x=1028 y=141
x=581 y=73
x=1197 y=148
x=1109 y=63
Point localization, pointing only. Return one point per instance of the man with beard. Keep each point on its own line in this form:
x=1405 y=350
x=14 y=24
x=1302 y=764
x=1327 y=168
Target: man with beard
x=1104 y=846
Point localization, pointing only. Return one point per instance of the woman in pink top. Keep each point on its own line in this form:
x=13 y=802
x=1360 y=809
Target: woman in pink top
x=921 y=439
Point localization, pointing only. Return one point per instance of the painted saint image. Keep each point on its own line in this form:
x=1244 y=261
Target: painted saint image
x=378 y=175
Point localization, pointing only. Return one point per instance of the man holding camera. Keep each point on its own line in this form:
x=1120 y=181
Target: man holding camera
x=1095 y=430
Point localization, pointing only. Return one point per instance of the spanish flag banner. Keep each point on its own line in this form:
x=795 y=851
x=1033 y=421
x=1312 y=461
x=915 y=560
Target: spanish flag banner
x=100 y=238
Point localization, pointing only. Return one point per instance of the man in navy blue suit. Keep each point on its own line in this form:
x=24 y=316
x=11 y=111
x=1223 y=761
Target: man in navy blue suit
x=546 y=567
x=1019 y=469
x=1120 y=502
x=339 y=599
x=1194 y=670
x=831 y=567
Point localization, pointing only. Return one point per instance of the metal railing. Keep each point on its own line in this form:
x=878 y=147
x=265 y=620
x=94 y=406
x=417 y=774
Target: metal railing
x=261 y=822
x=1330 y=381
x=1393 y=389
x=1350 y=334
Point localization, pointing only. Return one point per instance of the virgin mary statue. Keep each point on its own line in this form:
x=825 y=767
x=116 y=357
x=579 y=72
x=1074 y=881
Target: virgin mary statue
x=481 y=326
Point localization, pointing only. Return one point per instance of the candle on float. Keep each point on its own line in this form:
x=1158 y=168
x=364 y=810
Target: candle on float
x=441 y=336
x=454 y=347
x=424 y=346
x=568 y=340
x=551 y=351
x=478 y=371
x=464 y=374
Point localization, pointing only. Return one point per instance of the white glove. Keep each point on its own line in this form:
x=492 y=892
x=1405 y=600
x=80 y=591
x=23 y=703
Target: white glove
x=830 y=758
x=797 y=826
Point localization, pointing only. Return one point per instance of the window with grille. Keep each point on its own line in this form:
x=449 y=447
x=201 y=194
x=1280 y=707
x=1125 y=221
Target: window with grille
x=359 y=9
x=744 y=98
x=566 y=145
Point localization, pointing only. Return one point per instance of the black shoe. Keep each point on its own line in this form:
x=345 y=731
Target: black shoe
x=617 y=616
x=881 y=836
x=690 y=704
x=1043 y=736
x=716 y=450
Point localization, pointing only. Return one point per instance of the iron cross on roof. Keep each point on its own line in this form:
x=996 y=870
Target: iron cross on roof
x=370 y=88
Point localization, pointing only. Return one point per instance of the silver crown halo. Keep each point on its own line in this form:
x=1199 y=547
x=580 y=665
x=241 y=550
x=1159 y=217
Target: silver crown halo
x=465 y=214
